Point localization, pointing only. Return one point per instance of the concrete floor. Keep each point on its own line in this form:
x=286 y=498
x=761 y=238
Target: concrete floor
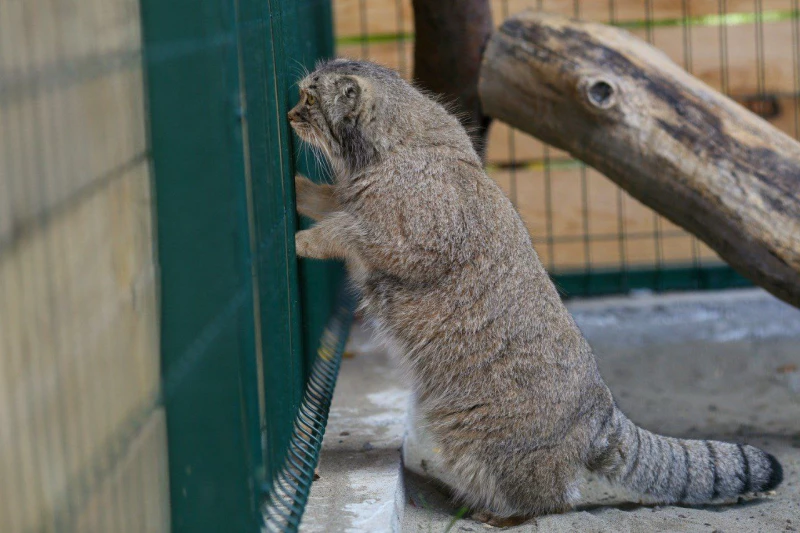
x=360 y=486
x=723 y=366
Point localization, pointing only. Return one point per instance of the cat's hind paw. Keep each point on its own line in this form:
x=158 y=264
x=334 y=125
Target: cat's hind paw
x=487 y=517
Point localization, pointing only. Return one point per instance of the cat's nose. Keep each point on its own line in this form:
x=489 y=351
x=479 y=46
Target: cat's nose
x=292 y=115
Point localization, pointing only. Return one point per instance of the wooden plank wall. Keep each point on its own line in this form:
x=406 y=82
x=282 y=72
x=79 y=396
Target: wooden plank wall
x=579 y=219
x=83 y=441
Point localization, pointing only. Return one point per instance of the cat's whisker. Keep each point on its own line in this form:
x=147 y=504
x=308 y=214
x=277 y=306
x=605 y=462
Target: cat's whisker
x=304 y=150
x=321 y=163
x=320 y=152
x=301 y=71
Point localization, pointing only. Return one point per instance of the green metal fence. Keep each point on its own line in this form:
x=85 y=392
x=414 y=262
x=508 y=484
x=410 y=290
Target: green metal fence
x=240 y=322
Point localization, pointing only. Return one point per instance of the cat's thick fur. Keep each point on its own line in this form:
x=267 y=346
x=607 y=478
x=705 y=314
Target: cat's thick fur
x=504 y=378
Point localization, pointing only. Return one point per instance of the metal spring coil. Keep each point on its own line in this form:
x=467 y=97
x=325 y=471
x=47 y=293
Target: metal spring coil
x=287 y=497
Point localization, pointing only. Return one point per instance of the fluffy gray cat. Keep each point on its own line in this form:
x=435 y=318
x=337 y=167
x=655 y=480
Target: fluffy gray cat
x=502 y=375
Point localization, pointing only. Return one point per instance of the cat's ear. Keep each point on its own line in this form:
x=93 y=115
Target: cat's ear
x=349 y=87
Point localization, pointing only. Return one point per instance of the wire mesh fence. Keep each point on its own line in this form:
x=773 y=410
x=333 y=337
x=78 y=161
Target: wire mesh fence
x=591 y=235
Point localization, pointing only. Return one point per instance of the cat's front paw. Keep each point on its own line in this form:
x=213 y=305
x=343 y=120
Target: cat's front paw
x=302 y=244
x=314 y=200
x=302 y=186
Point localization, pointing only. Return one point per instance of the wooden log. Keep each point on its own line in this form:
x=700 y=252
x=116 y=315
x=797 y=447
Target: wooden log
x=672 y=142
x=450 y=37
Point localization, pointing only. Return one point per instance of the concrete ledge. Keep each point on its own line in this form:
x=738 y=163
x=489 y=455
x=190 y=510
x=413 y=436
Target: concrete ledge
x=360 y=486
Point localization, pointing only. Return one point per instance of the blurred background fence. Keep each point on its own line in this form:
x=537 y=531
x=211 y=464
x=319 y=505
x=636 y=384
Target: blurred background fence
x=83 y=438
x=591 y=236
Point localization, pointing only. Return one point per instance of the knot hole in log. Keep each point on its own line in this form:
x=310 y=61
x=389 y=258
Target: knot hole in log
x=600 y=93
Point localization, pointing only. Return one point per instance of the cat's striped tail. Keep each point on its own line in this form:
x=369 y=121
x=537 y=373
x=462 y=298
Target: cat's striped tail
x=680 y=470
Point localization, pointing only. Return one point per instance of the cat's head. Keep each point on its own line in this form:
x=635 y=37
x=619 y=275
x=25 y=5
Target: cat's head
x=343 y=109
x=356 y=112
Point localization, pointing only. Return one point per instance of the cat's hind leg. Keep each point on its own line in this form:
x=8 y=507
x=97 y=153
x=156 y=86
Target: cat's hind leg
x=487 y=517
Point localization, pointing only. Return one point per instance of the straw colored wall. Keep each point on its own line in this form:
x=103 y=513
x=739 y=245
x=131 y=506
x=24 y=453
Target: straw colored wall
x=83 y=443
x=748 y=56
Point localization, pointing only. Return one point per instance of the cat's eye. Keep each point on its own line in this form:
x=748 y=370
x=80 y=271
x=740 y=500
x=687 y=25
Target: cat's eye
x=310 y=99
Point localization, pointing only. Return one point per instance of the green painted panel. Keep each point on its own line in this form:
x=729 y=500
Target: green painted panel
x=241 y=319
x=292 y=321
x=315 y=40
x=600 y=283
x=274 y=217
x=203 y=248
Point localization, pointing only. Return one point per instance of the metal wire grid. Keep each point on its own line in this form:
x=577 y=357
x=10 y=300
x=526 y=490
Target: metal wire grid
x=587 y=275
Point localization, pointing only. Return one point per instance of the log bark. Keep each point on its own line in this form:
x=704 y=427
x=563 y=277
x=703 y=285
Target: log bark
x=672 y=142
x=450 y=36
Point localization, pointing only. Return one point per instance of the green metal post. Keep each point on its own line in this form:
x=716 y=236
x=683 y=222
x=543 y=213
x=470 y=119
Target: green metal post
x=240 y=321
x=207 y=317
